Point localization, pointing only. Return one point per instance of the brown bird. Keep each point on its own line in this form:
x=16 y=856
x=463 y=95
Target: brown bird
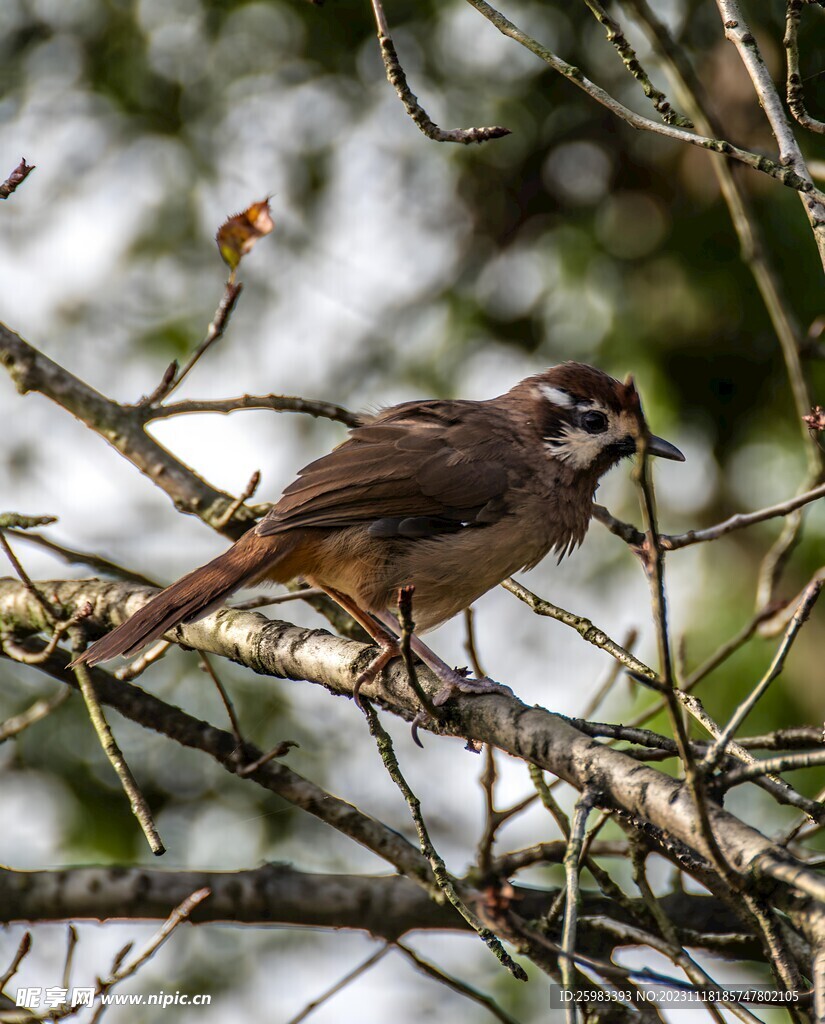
x=449 y=496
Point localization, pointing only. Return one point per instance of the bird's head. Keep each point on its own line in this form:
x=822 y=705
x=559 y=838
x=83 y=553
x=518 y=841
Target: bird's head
x=589 y=420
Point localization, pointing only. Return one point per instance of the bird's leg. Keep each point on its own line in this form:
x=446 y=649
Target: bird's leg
x=453 y=682
x=386 y=640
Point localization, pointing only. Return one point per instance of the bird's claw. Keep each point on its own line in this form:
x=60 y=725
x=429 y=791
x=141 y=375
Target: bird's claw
x=462 y=684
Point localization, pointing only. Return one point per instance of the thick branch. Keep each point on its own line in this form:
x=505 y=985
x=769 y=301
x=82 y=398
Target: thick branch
x=149 y=711
x=658 y=804
x=32 y=371
x=386 y=906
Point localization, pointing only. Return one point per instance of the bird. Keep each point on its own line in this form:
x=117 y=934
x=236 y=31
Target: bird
x=445 y=496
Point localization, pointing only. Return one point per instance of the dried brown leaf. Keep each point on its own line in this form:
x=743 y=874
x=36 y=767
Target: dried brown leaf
x=240 y=233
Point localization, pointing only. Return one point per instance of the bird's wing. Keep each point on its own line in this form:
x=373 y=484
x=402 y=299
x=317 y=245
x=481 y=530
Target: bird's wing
x=416 y=470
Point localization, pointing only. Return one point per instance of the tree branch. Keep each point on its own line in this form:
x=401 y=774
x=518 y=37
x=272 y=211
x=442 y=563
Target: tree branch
x=660 y=805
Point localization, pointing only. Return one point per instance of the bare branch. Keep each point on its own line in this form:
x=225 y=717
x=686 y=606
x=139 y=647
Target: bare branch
x=137 y=801
x=572 y=859
x=23 y=950
x=742 y=520
x=795 y=91
x=445 y=883
x=617 y=38
x=93 y=561
x=790 y=155
x=275 y=648
x=245 y=495
x=173 y=378
x=797 y=622
x=15 y=179
x=341 y=984
x=585 y=628
x=276 y=403
x=786 y=175
x=119 y=426
x=784 y=763
x=36 y=713
x=398 y=80
x=456 y=984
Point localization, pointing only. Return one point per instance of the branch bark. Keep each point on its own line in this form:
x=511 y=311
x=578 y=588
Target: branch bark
x=653 y=802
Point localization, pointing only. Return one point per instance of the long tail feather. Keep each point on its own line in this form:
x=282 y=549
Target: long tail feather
x=192 y=597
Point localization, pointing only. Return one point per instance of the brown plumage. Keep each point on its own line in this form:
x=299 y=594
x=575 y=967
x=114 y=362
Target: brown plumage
x=450 y=496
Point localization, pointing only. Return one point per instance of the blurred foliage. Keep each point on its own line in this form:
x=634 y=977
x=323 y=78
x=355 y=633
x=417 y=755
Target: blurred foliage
x=574 y=237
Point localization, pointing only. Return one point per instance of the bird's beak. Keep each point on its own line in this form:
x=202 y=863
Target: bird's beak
x=664 y=449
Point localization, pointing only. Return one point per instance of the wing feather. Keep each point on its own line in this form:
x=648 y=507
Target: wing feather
x=419 y=469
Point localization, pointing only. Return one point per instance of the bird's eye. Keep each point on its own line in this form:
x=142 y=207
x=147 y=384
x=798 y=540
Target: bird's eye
x=594 y=422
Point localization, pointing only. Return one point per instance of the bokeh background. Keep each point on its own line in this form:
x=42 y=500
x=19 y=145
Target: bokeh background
x=399 y=268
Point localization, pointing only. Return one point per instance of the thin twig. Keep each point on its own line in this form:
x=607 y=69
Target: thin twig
x=24 y=578
x=572 y=859
x=23 y=949
x=777 y=557
x=341 y=984
x=653 y=562
x=701 y=981
x=143 y=661
x=585 y=628
x=71 y=945
x=784 y=763
x=470 y=643
x=398 y=80
x=488 y=783
x=442 y=877
x=122 y=971
x=551 y=853
x=245 y=495
x=719 y=656
x=277 y=751
x=797 y=622
x=786 y=175
x=137 y=801
x=274 y=403
x=783 y=965
x=214 y=332
x=456 y=985
x=265 y=600
x=739 y=33
x=14 y=725
x=741 y=520
x=619 y=41
x=16 y=178
x=405 y=618
x=13 y=521
x=209 y=669
x=671 y=947
x=756 y=254
x=27 y=657
x=609 y=682
x=794 y=83
x=96 y=562
x=659 y=748
x=779 y=789
x=548 y=801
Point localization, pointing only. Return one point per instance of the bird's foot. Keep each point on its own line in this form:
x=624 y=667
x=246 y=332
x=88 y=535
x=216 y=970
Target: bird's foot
x=455 y=683
x=386 y=652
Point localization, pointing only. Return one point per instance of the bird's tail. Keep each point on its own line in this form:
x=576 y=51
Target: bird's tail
x=192 y=597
